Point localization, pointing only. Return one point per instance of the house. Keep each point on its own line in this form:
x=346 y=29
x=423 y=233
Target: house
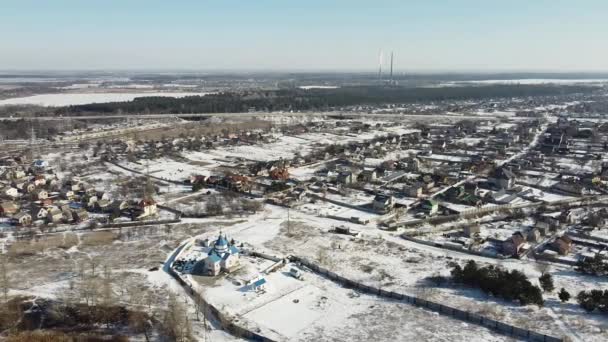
x=344 y=177
x=513 y=245
x=39 y=164
x=430 y=206
x=414 y=190
x=54 y=215
x=259 y=285
x=147 y=208
x=455 y=192
x=8 y=208
x=68 y=194
x=221 y=256
x=471 y=188
x=39 y=180
x=9 y=191
x=39 y=213
x=547 y=222
x=472 y=230
x=22 y=219
x=533 y=235
x=103 y=205
x=17 y=174
x=383 y=203
x=40 y=194
x=429 y=181
x=77 y=186
x=563 y=245
x=502 y=178
x=92 y=201
x=80 y=215
x=576 y=215
x=367 y=176
x=29 y=187
x=66 y=214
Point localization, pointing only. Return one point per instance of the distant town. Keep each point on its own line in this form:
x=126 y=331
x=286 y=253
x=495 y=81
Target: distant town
x=304 y=207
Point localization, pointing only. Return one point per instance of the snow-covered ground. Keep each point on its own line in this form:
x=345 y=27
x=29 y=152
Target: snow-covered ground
x=69 y=99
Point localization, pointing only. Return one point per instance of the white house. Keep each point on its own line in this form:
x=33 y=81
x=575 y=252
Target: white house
x=147 y=207
x=10 y=192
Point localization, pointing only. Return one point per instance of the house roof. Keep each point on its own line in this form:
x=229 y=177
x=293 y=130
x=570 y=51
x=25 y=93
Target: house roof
x=259 y=282
x=503 y=173
x=21 y=215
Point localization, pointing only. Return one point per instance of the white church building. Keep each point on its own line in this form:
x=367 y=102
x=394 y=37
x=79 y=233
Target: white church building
x=221 y=255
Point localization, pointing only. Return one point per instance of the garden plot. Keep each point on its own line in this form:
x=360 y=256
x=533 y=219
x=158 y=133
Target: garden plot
x=502 y=230
x=545 y=195
x=166 y=168
x=573 y=165
x=469 y=141
x=286 y=147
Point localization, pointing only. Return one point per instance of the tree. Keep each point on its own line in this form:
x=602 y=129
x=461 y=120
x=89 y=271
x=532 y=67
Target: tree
x=542 y=267
x=546 y=282
x=176 y=322
x=585 y=300
x=564 y=295
x=94 y=262
x=4 y=277
x=252 y=205
x=214 y=205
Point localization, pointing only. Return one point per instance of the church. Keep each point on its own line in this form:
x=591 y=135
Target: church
x=221 y=256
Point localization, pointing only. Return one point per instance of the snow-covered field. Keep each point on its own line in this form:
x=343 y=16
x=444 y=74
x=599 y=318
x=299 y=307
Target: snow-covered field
x=69 y=99
x=529 y=81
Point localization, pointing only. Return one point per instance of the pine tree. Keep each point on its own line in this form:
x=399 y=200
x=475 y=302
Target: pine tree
x=564 y=295
x=546 y=282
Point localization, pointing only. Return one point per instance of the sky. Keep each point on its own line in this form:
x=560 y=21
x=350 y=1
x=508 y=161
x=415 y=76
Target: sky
x=305 y=35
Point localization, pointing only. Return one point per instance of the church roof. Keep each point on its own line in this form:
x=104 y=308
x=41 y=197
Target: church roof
x=221 y=241
x=214 y=257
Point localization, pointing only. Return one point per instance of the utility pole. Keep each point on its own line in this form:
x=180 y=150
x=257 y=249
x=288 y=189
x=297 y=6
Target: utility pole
x=288 y=223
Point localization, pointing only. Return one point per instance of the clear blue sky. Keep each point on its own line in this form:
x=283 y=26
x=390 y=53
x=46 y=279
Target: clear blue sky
x=435 y=35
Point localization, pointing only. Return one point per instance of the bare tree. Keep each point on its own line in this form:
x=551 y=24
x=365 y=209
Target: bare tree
x=176 y=322
x=542 y=267
x=94 y=262
x=5 y=283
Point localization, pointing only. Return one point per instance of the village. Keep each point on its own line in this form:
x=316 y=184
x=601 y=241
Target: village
x=384 y=202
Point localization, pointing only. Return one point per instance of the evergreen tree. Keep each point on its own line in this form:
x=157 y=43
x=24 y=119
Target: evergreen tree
x=564 y=295
x=546 y=282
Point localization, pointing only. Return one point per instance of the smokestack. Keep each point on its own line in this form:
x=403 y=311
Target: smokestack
x=380 y=64
x=391 y=65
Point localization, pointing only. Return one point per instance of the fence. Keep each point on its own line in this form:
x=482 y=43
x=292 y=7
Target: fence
x=138 y=223
x=225 y=322
x=570 y=202
x=499 y=327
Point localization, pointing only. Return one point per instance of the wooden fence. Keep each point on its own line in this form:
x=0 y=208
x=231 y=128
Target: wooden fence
x=497 y=326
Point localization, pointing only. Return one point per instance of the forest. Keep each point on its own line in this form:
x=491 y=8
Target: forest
x=315 y=99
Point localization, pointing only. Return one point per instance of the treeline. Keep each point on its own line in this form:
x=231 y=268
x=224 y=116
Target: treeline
x=596 y=266
x=508 y=285
x=593 y=300
x=315 y=99
x=22 y=129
